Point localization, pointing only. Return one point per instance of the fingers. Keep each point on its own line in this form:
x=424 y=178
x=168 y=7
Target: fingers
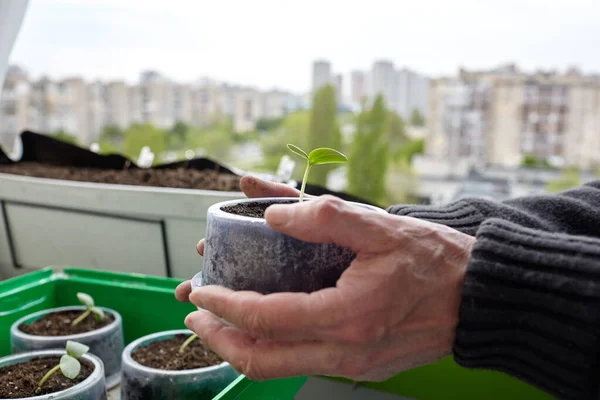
x=200 y=247
x=183 y=290
x=282 y=316
x=254 y=187
x=264 y=359
x=331 y=220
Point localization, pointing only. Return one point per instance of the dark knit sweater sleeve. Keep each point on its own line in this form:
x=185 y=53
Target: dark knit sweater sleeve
x=531 y=308
x=575 y=212
x=531 y=297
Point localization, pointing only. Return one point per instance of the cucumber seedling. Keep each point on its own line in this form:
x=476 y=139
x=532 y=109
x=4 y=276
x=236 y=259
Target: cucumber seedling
x=88 y=302
x=323 y=155
x=187 y=343
x=69 y=364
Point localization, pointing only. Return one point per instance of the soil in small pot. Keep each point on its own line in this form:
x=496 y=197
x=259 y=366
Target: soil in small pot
x=173 y=178
x=21 y=380
x=59 y=324
x=164 y=354
x=252 y=209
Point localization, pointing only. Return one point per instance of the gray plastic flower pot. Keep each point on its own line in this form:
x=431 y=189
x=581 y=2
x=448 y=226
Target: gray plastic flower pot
x=93 y=388
x=143 y=383
x=244 y=253
x=106 y=343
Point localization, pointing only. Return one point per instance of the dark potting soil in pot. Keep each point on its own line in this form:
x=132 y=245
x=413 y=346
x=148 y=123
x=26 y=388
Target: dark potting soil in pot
x=173 y=178
x=252 y=209
x=21 y=380
x=165 y=355
x=59 y=324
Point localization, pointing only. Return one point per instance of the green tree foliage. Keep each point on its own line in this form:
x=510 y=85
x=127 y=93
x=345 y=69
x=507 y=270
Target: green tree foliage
x=410 y=149
x=395 y=130
x=216 y=139
x=107 y=147
x=65 y=137
x=293 y=129
x=140 y=135
x=179 y=129
x=112 y=134
x=416 y=118
x=569 y=178
x=402 y=183
x=532 y=161
x=111 y=140
x=268 y=124
x=369 y=153
x=177 y=135
x=324 y=130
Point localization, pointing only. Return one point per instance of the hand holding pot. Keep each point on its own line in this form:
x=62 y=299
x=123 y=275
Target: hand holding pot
x=394 y=308
x=252 y=187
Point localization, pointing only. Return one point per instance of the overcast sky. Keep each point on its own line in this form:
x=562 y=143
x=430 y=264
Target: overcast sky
x=272 y=43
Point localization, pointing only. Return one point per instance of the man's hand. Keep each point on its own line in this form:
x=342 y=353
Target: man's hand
x=394 y=308
x=253 y=188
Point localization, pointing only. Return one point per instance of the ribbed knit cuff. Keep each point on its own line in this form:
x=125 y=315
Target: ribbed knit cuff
x=461 y=215
x=531 y=308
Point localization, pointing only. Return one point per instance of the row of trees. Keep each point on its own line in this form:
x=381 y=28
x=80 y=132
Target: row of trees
x=378 y=142
x=216 y=139
x=379 y=146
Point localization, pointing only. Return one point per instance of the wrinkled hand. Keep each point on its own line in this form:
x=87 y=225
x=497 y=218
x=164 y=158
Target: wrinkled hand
x=394 y=308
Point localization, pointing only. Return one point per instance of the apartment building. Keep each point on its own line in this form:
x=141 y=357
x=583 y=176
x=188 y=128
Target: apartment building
x=357 y=87
x=249 y=106
x=499 y=116
x=322 y=75
x=117 y=104
x=83 y=109
x=15 y=111
x=403 y=90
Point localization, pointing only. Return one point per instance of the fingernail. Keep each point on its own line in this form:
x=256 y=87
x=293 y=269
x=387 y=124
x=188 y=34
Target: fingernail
x=278 y=214
x=188 y=321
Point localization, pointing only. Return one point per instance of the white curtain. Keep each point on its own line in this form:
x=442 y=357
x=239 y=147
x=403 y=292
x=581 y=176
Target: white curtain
x=12 y=13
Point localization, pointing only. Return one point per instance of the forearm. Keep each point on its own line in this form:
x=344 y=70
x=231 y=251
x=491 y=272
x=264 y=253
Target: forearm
x=531 y=308
x=575 y=212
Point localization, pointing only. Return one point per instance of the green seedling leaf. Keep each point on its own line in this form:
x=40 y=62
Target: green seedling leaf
x=317 y=156
x=298 y=151
x=88 y=302
x=75 y=349
x=69 y=366
x=98 y=313
x=86 y=299
x=326 y=156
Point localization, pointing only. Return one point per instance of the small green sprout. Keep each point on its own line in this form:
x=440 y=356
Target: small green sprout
x=88 y=301
x=319 y=156
x=187 y=343
x=69 y=364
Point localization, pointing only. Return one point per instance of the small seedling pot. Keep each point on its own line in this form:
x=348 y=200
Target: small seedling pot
x=93 y=388
x=139 y=382
x=244 y=253
x=106 y=343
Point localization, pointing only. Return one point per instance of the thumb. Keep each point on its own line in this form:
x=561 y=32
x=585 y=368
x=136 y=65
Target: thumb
x=328 y=219
x=254 y=187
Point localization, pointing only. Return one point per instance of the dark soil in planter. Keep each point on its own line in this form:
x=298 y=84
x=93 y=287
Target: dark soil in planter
x=172 y=178
x=59 y=324
x=252 y=209
x=21 y=380
x=165 y=355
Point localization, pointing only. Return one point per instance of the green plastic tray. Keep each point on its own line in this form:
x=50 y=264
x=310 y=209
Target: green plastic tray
x=147 y=306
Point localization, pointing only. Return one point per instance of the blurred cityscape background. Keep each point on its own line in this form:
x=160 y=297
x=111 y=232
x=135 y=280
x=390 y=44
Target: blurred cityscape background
x=411 y=136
